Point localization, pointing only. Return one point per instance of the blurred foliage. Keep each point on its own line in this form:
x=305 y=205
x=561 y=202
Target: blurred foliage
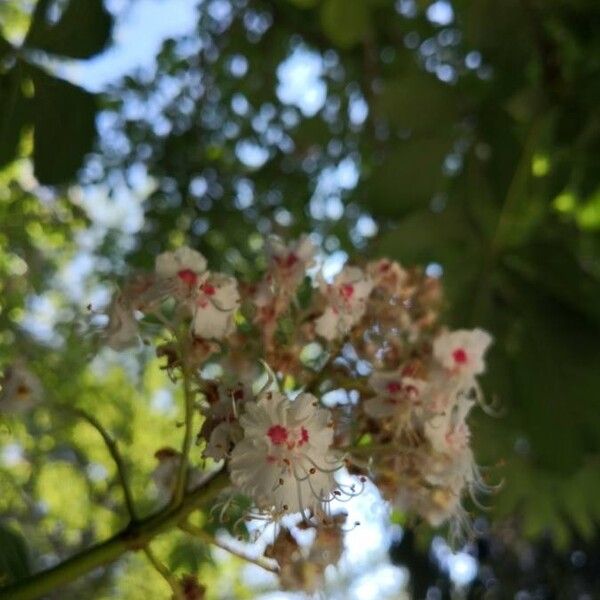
x=462 y=136
x=61 y=114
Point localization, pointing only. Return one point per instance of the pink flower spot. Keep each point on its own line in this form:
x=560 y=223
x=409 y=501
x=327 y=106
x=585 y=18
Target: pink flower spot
x=459 y=356
x=291 y=260
x=277 y=434
x=303 y=436
x=408 y=370
x=208 y=289
x=188 y=277
x=393 y=387
x=347 y=291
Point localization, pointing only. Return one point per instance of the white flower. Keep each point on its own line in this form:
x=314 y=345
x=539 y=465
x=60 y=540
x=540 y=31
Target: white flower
x=215 y=303
x=284 y=462
x=20 y=389
x=122 y=329
x=461 y=352
x=454 y=471
x=292 y=260
x=221 y=428
x=441 y=392
x=388 y=274
x=347 y=298
x=395 y=393
x=184 y=265
x=448 y=432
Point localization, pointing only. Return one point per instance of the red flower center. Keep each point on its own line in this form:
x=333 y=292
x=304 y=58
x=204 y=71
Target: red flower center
x=278 y=434
x=393 y=387
x=188 y=277
x=208 y=289
x=291 y=260
x=347 y=291
x=459 y=356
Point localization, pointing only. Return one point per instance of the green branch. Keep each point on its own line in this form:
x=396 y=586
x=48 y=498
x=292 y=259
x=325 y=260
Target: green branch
x=164 y=573
x=134 y=537
x=182 y=473
x=112 y=447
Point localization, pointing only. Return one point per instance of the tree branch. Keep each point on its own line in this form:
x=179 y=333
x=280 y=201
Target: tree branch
x=111 y=444
x=134 y=537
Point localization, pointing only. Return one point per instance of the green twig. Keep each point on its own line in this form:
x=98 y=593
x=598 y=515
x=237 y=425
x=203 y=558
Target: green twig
x=165 y=574
x=134 y=537
x=207 y=538
x=182 y=474
x=112 y=447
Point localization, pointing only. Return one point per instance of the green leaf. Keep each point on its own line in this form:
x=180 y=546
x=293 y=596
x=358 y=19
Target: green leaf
x=82 y=31
x=13 y=107
x=14 y=559
x=345 y=23
x=419 y=102
x=408 y=178
x=188 y=555
x=304 y=3
x=64 y=127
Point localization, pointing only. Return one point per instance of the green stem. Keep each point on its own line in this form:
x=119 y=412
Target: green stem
x=134 y=537
x=164 y=573
x=182 y=474
x=112 y=447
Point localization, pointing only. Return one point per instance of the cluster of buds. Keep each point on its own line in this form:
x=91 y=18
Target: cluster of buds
x=258 y=356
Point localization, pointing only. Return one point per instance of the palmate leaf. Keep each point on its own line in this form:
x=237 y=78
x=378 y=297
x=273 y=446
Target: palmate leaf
x=408 y=178
x=417 y=101
x=188 y=555
x=62 y=114
x=63 y=127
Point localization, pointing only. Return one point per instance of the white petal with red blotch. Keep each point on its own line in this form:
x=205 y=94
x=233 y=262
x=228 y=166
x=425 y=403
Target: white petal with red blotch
x=283 y=462
x=462 y=351
x=215 y=305
x=169 y=264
